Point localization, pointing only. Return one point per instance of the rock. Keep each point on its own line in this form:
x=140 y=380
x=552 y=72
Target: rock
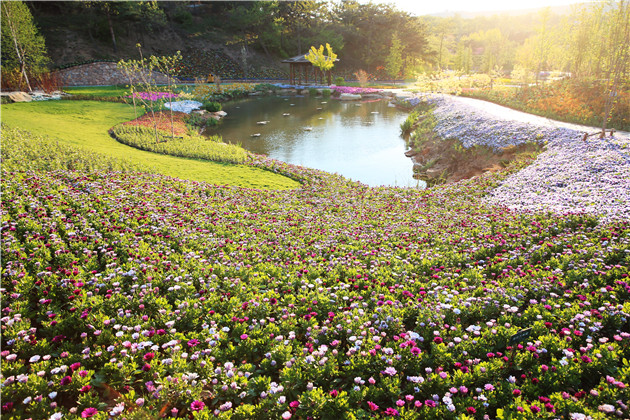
x=372 y=96
x=433 y=173
x=20 y=97
x=410 y=153
x=349 y=97
x=255 y=93
x=220 y=114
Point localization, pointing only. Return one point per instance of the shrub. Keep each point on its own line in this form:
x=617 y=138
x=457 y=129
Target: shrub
x=312 y=92
x=326 y=93
x=363 y=77
x=196 y=147
x=407 y=125
x=339 y=81
x=265 y=87
x=212 y=106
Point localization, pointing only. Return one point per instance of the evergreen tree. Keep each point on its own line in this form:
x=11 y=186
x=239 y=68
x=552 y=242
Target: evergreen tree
x=393 y=63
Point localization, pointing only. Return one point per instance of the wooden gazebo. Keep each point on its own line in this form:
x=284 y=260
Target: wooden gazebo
x=299 y=66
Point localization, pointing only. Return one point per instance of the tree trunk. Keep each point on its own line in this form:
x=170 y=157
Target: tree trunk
x=18 y=49
x=111 y=30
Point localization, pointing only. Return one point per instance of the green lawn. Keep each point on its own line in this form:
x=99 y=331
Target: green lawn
x=98 y=91
x=85 y=123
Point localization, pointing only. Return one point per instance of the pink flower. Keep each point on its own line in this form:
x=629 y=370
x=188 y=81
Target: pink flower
x=65 y=380
x=372 y=406
x=89 y=412
x=244 y=336
x=197 y=405
x=286 y=415
x=391 y=412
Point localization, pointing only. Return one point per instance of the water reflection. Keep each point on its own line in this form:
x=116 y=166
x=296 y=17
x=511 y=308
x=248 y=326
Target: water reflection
x=359 y=140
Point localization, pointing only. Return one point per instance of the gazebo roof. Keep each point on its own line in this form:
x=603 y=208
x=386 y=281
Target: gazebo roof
x=301 y=59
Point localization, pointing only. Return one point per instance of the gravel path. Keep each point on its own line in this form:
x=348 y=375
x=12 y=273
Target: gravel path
x=570 y=176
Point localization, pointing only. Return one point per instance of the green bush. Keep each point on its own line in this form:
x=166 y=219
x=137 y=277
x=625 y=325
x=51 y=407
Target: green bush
x=22 y=150
x=264 y=87
x=212 y=106
x=196 y=120
x=407 y=125
x=313 y=92
x=196 y=147
x=339 y=81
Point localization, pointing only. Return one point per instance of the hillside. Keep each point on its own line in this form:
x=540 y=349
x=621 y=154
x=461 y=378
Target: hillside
x=205 y=47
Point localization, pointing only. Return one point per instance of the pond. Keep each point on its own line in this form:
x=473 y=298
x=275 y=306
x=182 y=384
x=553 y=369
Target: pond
x=359 y=140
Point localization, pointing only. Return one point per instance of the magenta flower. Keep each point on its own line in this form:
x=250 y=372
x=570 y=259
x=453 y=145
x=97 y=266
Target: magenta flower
x=193 y=342
x=89 y=412
x=392 y=412
x=197 y=405
x=372 y=406
x=65 y=380
x=244 y=336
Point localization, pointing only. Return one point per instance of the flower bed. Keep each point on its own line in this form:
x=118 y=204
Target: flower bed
x=590 y=176
x=473 y=127
x=354 y=90
x=572 y=175
x=154 y=96
x=140 y=295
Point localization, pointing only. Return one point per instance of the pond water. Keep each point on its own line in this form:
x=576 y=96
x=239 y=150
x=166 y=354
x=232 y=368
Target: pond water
x=359 y=140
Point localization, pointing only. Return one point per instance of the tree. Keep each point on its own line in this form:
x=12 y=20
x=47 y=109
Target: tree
x=393 y=63
x=143 y=86
x=318 y=59
x=22 y=47
x=543 y=44
x=618 y=54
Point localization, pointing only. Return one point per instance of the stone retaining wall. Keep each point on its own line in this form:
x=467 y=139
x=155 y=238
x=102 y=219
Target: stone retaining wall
x=101 y=74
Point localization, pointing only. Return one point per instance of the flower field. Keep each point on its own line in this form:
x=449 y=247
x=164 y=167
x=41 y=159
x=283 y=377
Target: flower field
x=137 y=296
x=571 y=175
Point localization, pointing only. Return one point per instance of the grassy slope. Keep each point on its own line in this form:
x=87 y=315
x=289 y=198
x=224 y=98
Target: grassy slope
x=85 y=124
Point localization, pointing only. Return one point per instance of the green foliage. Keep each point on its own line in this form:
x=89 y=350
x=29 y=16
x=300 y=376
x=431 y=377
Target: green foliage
x=265 y=87
x=212 y=106
x=393 y=63
x=312 y=91
x=326 y=93
x=407 y=125
x=24 y=151
x=194 y=121
x=339 y=81
x=196 y=147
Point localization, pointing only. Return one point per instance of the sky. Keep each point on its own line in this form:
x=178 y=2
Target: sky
x=425 y=7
